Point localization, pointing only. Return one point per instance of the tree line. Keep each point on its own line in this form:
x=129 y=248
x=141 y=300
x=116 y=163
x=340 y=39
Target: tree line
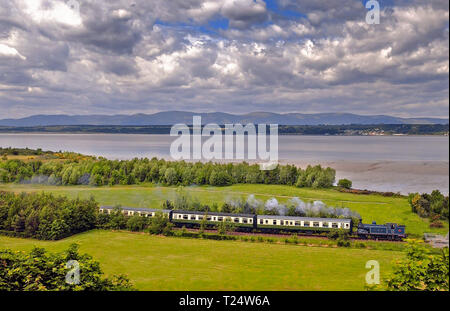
x=101 y=172
x=45 y=216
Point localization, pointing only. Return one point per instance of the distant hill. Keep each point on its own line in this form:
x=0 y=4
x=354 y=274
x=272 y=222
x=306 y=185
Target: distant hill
x=173 y=117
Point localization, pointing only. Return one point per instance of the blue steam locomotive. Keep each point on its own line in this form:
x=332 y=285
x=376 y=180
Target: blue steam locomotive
x=389 y=231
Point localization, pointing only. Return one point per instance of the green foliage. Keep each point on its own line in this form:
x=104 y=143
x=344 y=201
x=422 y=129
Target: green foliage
x=23 y=151
x=160 y=224
x=345 y=183
x=45 y=216
x=137 y=223
x=98 y=172
x=117 y=219
x=316 y=177
x=335 y=234
x=39 y=270
x=430 y=205
x=421 y=270
x=225 y=226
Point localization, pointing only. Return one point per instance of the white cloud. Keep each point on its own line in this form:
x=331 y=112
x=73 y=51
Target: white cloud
x=9 y=51
x=117 y=58
x=54 y=11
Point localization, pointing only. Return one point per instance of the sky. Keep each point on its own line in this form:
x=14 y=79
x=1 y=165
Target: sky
x=236 y=56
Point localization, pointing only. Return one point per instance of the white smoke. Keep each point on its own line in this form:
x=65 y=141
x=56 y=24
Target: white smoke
x=254 y=202
x=273 y=206
x=319 y=209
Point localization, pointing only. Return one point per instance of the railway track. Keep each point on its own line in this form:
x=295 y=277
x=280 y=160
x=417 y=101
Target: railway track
x=282 y=235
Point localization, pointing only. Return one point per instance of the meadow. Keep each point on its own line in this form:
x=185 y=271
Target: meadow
x=170 y=263
x=371 y=207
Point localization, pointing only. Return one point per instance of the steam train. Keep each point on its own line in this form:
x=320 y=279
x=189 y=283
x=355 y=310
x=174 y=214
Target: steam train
x=270 y=223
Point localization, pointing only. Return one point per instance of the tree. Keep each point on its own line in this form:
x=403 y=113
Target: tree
x=219 y=178
x=160 y=224
x=39 y=270
x=345 y=183
x=421 y=270
x=170 y=176
x=225 y=226
x=117 y=219
x=136 y=223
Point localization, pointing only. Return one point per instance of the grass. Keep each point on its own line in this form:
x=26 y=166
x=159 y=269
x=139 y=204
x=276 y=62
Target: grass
x=370 y=207
x=169 y=263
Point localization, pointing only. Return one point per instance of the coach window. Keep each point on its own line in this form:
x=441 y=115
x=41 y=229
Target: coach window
x=281 y=222
x=334 y=225
x=306 y=224
x=236 y=220
x=297 y=223
x=220 y=218
x=316 y=224
x=244 y=220
x=185 y=216
x=325 y=224
x=274 y=222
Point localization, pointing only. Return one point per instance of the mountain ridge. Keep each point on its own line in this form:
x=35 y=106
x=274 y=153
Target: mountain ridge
x=173 y=117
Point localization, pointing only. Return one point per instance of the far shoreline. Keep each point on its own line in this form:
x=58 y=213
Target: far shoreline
x=154 y=134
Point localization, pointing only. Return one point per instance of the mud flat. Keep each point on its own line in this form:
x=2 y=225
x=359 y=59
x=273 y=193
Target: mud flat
x=395 y=176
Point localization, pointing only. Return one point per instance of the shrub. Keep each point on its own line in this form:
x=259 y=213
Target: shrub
x=39 y=270
x=436 y=224
x=345 y=183
x=361 y=245
x=160 y=224
x=137 y=223
x=421 y=270
x=343 y=243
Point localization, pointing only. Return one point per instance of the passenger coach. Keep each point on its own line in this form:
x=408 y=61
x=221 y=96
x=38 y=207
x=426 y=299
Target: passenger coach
x=307 y=224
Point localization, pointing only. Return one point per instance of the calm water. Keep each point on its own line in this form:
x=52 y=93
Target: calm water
x=399 y=163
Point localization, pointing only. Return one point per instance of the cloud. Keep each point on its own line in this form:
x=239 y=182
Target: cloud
x=9 y=51
x=147 y=56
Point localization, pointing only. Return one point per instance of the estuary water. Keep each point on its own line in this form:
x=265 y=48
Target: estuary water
x=383 y=163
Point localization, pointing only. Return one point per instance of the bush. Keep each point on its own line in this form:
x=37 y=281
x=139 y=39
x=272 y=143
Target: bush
x=137 y=223
x=436 y=224
x=345 y=183
x=430 y=205
x=38 y=270
x=361 y=245
x=343 y=243
x=160 y=224
x=421 y=270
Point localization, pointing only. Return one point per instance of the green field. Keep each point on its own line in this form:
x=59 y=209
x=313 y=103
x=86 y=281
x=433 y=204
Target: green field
x=169 y=263
x=370 y=207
